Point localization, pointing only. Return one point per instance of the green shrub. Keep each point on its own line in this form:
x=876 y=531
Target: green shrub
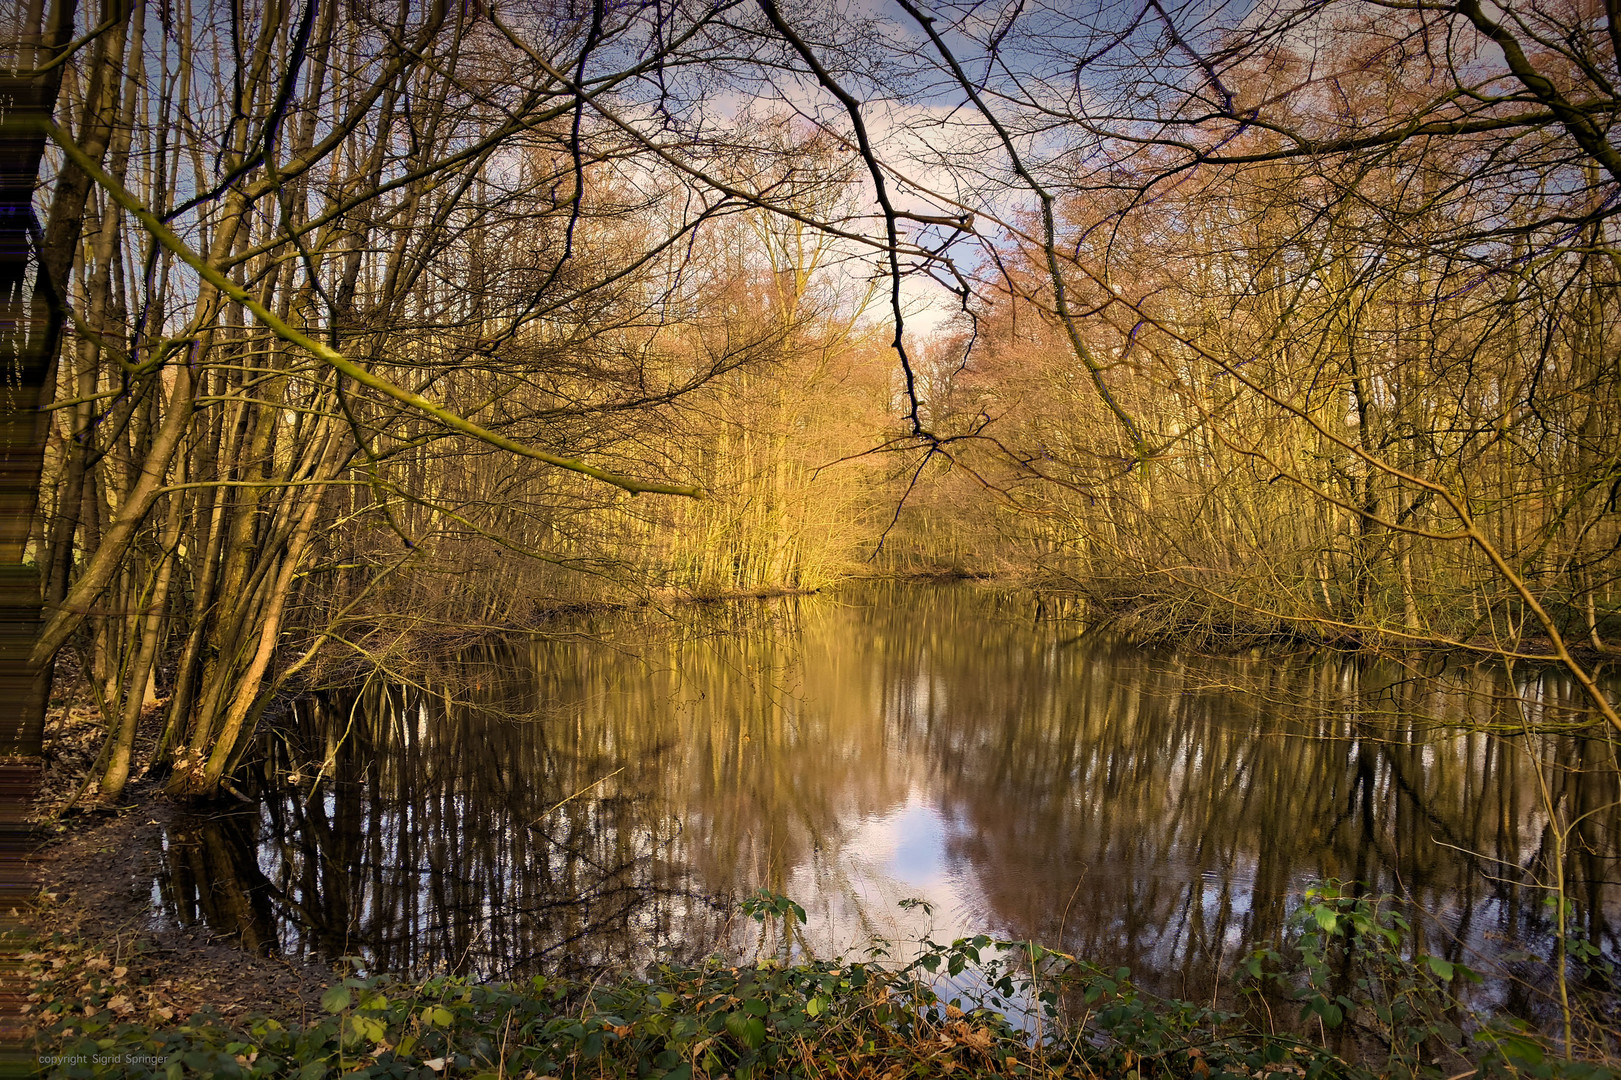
x=944 y=1013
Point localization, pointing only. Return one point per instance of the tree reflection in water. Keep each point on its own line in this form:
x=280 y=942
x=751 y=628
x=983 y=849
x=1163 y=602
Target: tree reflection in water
x=584 y=804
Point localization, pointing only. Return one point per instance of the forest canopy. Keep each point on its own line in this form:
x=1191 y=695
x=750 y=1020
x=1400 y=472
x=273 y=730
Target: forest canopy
x=334 y=323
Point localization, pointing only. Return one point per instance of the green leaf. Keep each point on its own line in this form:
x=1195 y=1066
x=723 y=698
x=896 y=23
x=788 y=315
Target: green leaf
x=1442 y=968
x=814 y=1006
x=336 y=999
x=364 y=1029
x=1527 y=1050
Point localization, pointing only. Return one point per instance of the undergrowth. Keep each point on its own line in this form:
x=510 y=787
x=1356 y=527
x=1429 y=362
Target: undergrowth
x=1367 y=1010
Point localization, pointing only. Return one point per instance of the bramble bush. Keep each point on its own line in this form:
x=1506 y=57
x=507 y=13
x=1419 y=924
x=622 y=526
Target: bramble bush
x=945 y=1013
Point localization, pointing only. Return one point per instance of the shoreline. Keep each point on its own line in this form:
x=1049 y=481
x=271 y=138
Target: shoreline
x=93 y=931
x=1142 y=624
x=136 y=981
x=113 y=995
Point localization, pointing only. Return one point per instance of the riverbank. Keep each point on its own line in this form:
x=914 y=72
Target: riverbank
x=1206 y=624
x=93 y=940
x=563 y=753
x=703 y=1023
x=116 y=993
x=1147 y=620
x=113 y=996
x=96 y=943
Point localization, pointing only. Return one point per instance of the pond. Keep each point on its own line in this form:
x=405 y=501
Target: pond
x=601 y=799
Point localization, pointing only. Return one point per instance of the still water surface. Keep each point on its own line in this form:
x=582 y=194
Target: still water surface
x=577 y=804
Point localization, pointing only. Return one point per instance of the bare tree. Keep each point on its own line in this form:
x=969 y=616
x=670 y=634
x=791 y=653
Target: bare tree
x=1291 y=321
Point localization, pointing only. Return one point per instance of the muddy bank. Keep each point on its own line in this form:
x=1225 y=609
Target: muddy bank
x=92 y=937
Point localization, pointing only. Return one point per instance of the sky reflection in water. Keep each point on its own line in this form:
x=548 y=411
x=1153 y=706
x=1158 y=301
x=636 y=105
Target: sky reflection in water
x=568 y=805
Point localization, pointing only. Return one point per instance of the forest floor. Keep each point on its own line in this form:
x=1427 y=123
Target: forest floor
x=96 y=937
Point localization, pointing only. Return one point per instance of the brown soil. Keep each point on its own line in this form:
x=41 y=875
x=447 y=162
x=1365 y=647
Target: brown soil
x=96 y=934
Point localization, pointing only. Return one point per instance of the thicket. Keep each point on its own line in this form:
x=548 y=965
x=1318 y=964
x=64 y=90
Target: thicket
x=368 y=327
x=1352 y=302
x=341 y=323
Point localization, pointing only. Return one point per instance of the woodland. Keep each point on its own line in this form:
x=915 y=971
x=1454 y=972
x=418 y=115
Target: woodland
x=336 y=328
